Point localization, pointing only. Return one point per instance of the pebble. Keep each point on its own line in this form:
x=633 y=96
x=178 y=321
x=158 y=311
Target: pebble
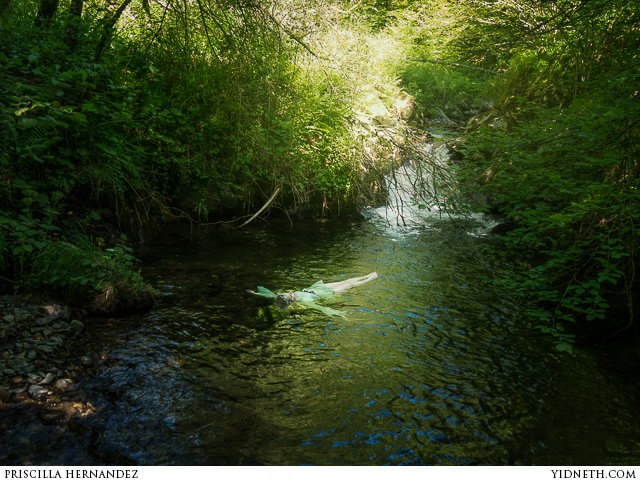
x=23 y=315
x=52 y=415
x=62 y=385
x=41 y=364
x=51 y=310
x=55 y=341
x=37 y=392
x=86 y=360
x=15 y=363
x=76 y=325
x=34 y=347
x=20 y=395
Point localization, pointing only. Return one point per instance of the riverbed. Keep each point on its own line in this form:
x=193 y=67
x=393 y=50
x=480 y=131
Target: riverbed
x=433 y=365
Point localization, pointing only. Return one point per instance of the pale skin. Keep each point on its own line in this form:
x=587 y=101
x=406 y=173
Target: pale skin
x=353 y=282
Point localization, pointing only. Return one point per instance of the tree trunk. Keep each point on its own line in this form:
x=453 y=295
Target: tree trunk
x=75 y=16
x=46 y=11
x=5 y=5
x=109 y=22
x=76 y=7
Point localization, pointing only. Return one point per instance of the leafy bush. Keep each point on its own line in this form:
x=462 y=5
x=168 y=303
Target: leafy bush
x=147 y=109
x=83 y=272
x=558 y=158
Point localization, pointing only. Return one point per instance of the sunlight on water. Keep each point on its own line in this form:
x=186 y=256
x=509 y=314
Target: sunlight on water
x=421 y=192
x=431 y=366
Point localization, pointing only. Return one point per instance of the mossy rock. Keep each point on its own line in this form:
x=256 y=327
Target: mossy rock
x=122 y=299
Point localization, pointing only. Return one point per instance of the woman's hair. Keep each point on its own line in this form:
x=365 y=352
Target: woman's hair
x=285 y=299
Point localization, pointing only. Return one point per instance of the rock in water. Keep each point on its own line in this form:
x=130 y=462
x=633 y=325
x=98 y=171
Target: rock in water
x=4 y=394
x=37 y=392
x=122 y=300
x=86 y=360
x=76 y=326
x=62 y=385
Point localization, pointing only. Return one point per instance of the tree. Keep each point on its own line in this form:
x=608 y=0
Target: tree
x=562 y=147
x=5 y=6
x=76 y=7
x=46 y=11
x=108 y=24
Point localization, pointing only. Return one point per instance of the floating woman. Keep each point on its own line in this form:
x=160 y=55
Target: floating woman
x=317 y=292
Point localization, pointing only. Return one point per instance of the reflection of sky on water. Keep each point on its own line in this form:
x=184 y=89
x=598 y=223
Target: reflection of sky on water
x=426 y=369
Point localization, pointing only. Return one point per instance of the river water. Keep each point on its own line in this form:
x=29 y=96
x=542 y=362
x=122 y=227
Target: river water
x=431 y=365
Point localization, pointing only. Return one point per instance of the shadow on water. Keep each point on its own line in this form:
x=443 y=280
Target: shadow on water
x=431 y=366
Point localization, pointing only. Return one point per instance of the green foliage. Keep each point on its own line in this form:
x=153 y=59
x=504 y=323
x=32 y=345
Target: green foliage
x=558 y=156
x=78 y=265
x=380 y=13
x=21 y=238
x=190 y=108
x=444 y=91
x=65 y=131
x=79 y=270
x=206 y=108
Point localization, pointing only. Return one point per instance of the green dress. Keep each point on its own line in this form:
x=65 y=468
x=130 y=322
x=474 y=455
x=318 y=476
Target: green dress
x=308 y=297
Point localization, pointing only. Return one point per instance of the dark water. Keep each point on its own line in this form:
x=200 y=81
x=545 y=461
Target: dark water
x=431 y=366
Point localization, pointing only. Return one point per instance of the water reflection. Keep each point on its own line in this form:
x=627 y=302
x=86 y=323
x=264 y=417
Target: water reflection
x=430 y=367
x=422 y=371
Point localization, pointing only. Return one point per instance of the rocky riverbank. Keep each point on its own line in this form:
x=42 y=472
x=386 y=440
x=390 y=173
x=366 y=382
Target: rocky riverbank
x=37 y=361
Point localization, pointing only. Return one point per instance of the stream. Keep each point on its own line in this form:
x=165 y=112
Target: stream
x=430 y=367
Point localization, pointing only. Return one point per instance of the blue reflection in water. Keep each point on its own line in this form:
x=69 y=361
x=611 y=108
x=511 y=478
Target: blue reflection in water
x=431 y=365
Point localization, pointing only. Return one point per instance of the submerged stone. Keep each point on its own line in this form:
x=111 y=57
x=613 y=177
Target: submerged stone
x=76 y=325
x=86 y=360
x=37 y=392
x=4 y=394
x=122 y=300
x=43 y=321
x=62 y=385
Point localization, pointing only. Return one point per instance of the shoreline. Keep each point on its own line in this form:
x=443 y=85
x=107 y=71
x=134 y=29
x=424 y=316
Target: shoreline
x=39 y=367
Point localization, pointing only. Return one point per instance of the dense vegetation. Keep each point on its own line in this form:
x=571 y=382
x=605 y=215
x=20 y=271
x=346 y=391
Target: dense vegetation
x=558 y=154
x=119 y=115
x=126 y=114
